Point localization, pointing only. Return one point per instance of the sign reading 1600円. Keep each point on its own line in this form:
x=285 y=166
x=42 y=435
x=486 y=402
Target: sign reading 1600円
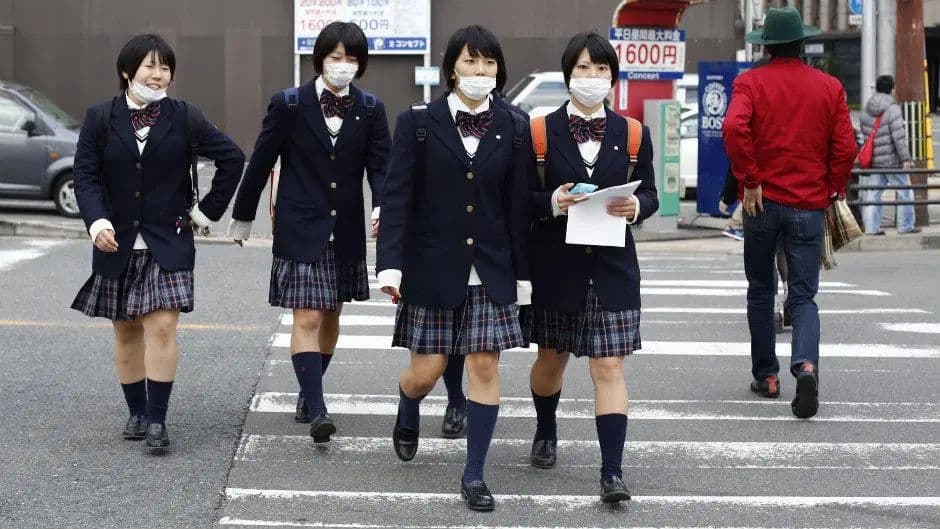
x=649 y=54
x=391 y=26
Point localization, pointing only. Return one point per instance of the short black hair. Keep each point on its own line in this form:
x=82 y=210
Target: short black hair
x=139 y=48
x=479 y=41
x=598 y=48
x=353 y=39
x=884 y=84
x=787 y=50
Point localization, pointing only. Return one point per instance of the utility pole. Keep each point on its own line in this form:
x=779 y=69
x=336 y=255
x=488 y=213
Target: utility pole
x=748 y=27
x=910 y=74
x=868 y=49
x=887 y=22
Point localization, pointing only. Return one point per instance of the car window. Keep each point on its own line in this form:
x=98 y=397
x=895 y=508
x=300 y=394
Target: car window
x=46 y=105
x=546 y=94
x=514 y=91
x=13 y=115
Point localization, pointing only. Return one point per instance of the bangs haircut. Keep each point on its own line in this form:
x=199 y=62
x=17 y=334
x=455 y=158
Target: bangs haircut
x=353 y=39
x=139 y=48
x=479 y=42
x=598 y=48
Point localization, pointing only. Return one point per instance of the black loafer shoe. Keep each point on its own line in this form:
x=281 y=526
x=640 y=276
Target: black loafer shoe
x=544 y=453
x=405 y=441
x=158 y=441
x=321 y=429
x=477 y=495
x=302 y=415
x=136 y=428
x=806 y=402
x=455 y=423
x=613 y=490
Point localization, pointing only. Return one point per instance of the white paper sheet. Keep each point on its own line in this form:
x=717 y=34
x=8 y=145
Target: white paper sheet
x=589 y=223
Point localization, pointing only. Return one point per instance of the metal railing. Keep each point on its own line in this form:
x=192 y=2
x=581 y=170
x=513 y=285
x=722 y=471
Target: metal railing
x=853 y=189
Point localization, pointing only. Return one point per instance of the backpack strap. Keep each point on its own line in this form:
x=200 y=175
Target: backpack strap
x=634 y=138
x=540 y=146
x=369 y=101
x=290 y=97
x=195 y=125
x=102 y=126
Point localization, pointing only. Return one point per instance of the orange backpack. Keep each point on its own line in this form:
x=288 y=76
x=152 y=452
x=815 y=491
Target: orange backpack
x=540 y=144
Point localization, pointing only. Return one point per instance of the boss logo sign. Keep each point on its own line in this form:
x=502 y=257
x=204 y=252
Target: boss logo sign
x=714 y=105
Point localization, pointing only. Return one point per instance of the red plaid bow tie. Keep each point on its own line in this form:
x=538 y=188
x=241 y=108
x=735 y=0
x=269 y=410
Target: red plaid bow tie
x=474 y=124
x=584 y=130
x=335 y=106
x=145 y=117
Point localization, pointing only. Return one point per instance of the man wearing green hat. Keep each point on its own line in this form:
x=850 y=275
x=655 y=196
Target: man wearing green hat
x=792 y=147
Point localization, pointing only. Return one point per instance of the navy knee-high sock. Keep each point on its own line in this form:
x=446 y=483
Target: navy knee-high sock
x=158 y=399
x=453 y=381
x=481 y=421
x=409 y=410
x=135 y=394
x=307 y=367
x=325 y=361
x=611 y=434
x=545 y=428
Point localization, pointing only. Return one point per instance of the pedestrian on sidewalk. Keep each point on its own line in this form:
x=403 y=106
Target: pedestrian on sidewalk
x=140 y=205
x=883 y=118
x=793 y=161
x=327 y=133
x=452 y=244
x=729 y=197
x=586 y=299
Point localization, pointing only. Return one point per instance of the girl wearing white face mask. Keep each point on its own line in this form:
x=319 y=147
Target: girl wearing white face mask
x=597 y=315
x=452 y=244
x=132 y=182
x=327 y=133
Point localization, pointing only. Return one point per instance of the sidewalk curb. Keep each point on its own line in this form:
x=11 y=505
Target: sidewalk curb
x=887 y=243
x=40 y=229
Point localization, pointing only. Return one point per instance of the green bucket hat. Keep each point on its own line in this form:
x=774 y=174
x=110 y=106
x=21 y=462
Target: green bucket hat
x=782 y=25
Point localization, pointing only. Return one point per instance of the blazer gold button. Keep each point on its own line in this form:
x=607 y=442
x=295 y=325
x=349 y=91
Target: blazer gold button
x=332 y=212
x=469 y=241
x=588 y=250
x=469 y=209
x=469 y=176
x=139 y=165
x=137 y=194
x=332 y=185
x=136 y=223
x=332 y=157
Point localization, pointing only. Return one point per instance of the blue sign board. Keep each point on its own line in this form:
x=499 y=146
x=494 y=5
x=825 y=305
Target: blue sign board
x=855 y=7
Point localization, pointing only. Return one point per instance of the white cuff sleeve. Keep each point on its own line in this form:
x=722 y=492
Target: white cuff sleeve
x=99 y=226
x=389 y=278
x=199 y=218
x=239 y=230
x=636 y=212
x=556 y=211
x=375 y=213
x=523 y=293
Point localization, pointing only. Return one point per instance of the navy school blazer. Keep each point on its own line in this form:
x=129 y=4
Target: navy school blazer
x=150 y=192
x=439 y=219
x=320 y=187
x=561 y=272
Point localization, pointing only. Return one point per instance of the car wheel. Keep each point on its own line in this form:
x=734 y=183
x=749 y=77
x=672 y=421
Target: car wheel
x=63 y=194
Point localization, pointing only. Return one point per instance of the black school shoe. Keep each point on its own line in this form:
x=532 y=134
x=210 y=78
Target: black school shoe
x=769 y=388
x=136 y=428
x=158 y=440
x=405 y=441
x=613 y=490
x=455 y=423
x=321 y=429
x=806 y=402
x=477 y=495
x=544 y=453
x=302 y=414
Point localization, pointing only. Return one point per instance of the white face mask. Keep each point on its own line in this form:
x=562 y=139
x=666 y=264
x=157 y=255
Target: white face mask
x=340 y=74
x=145 y=93
x=476 y=87
x=589 y=91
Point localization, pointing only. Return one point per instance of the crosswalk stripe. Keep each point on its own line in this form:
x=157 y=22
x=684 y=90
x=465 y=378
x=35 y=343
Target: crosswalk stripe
x=722 y=283
x=723 y=292
x=387 y=405
x=650 y=348
x=920 y=328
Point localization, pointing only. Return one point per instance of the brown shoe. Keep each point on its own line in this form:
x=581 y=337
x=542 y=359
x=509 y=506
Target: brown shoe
x=768 y=388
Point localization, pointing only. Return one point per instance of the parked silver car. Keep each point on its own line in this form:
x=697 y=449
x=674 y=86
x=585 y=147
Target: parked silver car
x=37 y=148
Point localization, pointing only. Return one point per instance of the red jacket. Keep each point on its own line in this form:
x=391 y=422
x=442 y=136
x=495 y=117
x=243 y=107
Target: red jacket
x=788 y=131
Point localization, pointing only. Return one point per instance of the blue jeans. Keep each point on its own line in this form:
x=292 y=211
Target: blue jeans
x=800 y=231
x=871 y=215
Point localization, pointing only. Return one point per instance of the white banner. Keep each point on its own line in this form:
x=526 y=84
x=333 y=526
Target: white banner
x=391 y=26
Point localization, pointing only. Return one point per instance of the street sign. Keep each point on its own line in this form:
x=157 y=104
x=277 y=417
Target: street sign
x=855 y=7
x=815 y=49
x=427 y=75
x=649 y=54
x=393 y=27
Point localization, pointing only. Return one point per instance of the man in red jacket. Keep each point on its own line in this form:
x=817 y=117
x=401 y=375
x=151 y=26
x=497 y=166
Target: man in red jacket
x=792 y=147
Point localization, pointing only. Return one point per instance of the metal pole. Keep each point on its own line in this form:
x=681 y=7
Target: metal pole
x=868 y=50
x=748 y=27
x=886 y=26
x=296 y=69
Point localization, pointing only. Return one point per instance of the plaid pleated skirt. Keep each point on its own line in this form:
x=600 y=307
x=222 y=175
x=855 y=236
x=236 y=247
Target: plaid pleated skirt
x=477 y=325
x=143 y=288
x=322 y=285
x=593 y=332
